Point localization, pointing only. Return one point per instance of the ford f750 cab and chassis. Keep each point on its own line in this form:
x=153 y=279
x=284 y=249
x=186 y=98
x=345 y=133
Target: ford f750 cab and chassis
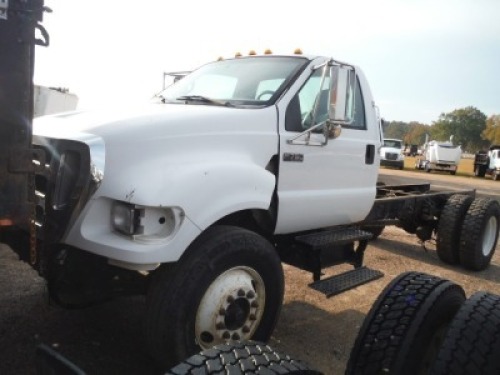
x=196 y=199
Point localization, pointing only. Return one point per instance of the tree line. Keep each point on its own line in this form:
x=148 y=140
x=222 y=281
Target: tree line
x=470 y=128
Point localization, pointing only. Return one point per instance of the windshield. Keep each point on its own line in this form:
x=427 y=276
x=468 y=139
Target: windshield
x=241 y=81
x=394 y=143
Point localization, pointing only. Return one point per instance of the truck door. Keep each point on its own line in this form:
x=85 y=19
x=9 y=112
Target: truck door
x=330 y=184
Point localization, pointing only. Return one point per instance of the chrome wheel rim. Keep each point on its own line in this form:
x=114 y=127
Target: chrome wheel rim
x=231 y=308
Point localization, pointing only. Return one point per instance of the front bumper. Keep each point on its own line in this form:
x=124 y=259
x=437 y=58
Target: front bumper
x=392 y=163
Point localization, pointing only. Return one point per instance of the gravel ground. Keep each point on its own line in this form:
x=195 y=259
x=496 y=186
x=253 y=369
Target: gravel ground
x=107 y=339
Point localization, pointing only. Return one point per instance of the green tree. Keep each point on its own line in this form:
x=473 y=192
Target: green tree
x=492 y=131
x=395 y=129
x=416 y=133
x=465 y=124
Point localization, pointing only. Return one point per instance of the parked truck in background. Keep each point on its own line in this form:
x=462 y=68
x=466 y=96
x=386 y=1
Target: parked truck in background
x=196 y=199
x=391 y=153
x=411 y=150
x=440 y=156
x=488 y=163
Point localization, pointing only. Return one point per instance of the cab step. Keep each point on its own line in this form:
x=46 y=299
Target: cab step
x=333 y=237
x=340 y=283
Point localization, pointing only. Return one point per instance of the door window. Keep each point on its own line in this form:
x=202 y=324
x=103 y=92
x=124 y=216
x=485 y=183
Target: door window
x=300 y=111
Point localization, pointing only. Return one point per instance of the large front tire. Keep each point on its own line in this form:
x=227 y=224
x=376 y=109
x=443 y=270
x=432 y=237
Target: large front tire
x=403 y=329
x=479 y=234
x=227 y=286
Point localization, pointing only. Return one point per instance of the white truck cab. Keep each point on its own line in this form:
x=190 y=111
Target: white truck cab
x=249 y=150
x=391 y=153
x=245 y=134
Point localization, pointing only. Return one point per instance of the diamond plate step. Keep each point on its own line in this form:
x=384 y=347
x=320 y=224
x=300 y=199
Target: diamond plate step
x=345 y=281
x=333 y=237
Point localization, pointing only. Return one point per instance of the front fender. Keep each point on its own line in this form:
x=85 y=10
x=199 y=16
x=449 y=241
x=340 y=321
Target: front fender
x=209 y=191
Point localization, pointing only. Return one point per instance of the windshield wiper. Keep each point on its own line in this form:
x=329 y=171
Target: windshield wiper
x=204 y=99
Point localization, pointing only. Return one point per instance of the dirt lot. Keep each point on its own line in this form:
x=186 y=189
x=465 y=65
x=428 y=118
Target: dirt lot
x=107 y=339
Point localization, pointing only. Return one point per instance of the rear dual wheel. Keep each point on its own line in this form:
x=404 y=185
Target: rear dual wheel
x=479 y=235
x=450 y=227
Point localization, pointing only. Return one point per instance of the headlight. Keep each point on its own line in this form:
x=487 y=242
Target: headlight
x=125 y=218
x=145 y=223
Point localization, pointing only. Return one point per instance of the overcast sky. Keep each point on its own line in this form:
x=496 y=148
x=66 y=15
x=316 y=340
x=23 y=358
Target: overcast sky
x=421 y=57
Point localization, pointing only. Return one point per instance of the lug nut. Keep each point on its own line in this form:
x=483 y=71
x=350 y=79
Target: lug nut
x=250 y=294
x=252 y=317
x=245 y=329
x=220 y=326
x=241 y=293
x=226 y=335
x=230 y=299
x=222 y=311
x=235 y=336
x=254 y=304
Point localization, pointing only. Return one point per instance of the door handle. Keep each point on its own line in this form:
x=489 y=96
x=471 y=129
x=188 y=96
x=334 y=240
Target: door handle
x=370 y=154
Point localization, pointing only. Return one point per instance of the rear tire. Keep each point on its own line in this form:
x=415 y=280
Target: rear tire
x=479 y=234
x=241 y=358
x=402 y=331
x=228 y=285
x=472 y=343
x=479 y=171
x=450 y=226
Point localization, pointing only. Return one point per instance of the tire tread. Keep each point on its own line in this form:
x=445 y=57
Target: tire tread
x=390 y=337
x=472 y=343
x=246 y=357
x=449 y=227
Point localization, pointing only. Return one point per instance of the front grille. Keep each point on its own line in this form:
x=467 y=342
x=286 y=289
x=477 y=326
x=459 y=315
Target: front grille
x=59 y=185
x=391 y=156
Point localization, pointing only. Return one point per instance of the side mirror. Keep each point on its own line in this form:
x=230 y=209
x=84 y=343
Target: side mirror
x=341 y=108
x=332 y=130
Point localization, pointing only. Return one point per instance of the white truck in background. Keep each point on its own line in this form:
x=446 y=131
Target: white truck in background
x=391 y=153
x=440 y=156
x=196 y=199
x=488 y=163
x=50 y=100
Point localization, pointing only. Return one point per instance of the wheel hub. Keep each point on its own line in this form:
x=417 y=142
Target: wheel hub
x=231 y=308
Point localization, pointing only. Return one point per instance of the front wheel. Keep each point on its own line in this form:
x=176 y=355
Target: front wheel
x=228 y=286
